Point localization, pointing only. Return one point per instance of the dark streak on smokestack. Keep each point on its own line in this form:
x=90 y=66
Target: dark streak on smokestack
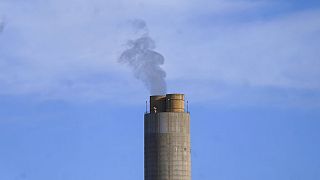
x=144 y=61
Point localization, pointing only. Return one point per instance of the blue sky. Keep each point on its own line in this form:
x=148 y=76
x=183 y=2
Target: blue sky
x=249 y=68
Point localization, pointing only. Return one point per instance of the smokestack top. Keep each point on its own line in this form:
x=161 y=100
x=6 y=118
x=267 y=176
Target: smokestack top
x=167 y=103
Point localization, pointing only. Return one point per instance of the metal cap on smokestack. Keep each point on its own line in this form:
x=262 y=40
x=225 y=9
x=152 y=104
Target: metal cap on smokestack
x=167 y=103
x=175 y=103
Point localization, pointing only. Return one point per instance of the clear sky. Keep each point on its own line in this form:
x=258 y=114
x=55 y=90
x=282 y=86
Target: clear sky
x=249 y=68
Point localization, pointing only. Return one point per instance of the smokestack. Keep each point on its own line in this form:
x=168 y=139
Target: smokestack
x=167 y=152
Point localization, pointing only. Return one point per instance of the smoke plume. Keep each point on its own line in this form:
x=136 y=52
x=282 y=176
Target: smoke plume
x=2 y=24
x=144 y=61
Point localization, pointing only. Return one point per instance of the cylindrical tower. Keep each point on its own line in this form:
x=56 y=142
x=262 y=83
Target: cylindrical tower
x=167 y=139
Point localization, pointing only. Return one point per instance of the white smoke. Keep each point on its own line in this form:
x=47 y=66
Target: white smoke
x=144 y=61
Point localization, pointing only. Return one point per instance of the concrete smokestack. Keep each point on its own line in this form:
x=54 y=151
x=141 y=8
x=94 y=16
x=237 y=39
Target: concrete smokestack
x=167 y=152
